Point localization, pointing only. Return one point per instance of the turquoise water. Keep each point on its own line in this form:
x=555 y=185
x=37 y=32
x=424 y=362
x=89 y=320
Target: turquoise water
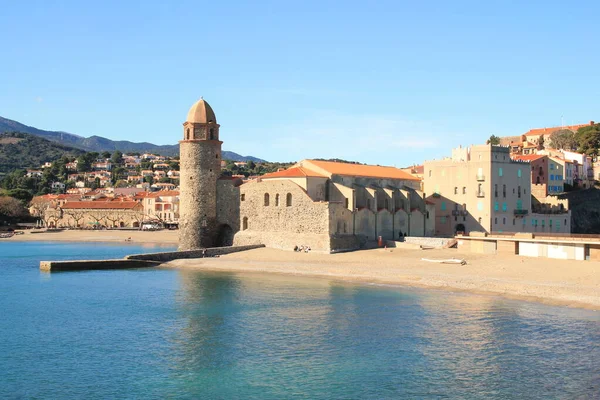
x=144 y=334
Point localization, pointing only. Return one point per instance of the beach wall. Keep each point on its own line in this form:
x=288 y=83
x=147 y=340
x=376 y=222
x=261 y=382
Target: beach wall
x=176 y=255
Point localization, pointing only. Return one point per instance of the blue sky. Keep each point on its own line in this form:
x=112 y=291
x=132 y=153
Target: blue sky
x=385 y=82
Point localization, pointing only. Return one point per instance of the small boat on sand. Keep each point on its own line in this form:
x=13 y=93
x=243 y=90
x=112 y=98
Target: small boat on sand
x=6 y=235
x=446 y=261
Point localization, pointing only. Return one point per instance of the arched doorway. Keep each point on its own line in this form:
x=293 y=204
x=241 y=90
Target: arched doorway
x=224 y=236
x=459 y=228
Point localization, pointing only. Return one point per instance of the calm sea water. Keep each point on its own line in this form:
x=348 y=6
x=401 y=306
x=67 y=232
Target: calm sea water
x=143 y=334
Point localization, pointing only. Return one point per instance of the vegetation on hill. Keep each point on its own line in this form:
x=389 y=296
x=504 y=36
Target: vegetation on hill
x=21 y=150
x=100 y=144
x=588 y=139
x=253 y=168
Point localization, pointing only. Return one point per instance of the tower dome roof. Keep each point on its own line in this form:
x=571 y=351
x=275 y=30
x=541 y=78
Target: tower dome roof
x=201 y=113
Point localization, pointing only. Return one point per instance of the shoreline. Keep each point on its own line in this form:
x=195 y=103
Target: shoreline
x=573 y=284
x=163 y=237
x=548 y=281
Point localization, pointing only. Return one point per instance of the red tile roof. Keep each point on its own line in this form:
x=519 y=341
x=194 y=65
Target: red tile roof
x=544 y=131
x=529 y=157
x=294 y=172
x=100 y=205
x=371 y=171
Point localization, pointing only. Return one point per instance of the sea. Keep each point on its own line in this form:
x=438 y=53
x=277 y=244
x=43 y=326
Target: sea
x=187 y=334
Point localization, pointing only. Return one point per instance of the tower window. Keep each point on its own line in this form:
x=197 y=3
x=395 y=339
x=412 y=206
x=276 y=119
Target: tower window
x=217 y=155
x=266 y=199
x=245 y=223
x=277 y=200
x=288 y=200
x=243 y=197
x=212 y=133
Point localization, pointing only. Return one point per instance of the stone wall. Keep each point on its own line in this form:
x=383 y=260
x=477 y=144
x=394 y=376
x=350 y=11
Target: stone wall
x=267 y=217
x=177 y=255
x=88 y=265
x=200 y=168
x=228 y=203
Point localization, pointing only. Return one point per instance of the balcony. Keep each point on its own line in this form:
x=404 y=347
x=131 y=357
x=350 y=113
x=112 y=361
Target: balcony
x=521 y=212
x=480 y=177
x=481 y=193
x=455 y=213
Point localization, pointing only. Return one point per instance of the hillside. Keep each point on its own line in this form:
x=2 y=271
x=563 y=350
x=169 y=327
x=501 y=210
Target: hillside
x=585 y=210
x=99 y=143
x=22 y=150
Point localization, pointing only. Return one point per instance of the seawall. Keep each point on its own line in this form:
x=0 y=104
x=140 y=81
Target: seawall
x=140 y=260
x=176 y=255
x=82 y=265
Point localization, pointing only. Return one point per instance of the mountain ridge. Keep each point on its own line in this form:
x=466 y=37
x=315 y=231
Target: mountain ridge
x=100 y=143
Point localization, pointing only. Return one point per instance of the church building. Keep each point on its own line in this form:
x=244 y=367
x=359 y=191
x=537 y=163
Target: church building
x=325 y=205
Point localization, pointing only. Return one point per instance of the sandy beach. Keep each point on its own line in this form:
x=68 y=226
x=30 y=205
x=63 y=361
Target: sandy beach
x=570 y=283
x=151 y=237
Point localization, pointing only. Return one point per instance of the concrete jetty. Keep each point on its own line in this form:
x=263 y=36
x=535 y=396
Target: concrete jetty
x=140 y=260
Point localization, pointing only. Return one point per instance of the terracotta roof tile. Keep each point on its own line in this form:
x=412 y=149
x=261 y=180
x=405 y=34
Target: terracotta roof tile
x=372 y=171
x=547 y=131
x=294 y=172
x=529 y=157
x=100 y=205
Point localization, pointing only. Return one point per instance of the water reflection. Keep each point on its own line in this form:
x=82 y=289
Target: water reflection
x=281 y=337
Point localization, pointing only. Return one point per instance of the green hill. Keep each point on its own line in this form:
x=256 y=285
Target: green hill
x=22 y=150
x=100 y=144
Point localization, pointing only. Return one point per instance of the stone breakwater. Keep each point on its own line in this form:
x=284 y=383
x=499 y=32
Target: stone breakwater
x=140 y=260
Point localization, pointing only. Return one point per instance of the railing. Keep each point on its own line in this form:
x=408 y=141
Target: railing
x=480 y=177
x=521 y=212
x=455 y=213
x=480 y=193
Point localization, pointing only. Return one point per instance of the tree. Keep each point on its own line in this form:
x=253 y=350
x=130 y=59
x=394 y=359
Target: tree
x=250 y=165
x=117 y=157
x=106 y=155
x=563 y=139
x=41 y=207
x=588 y=139
x=84 y=164
x=493 y=140
x=11 y=209
x=76 y=214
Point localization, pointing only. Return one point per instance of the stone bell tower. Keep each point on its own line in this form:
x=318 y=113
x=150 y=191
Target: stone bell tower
x=200 y=167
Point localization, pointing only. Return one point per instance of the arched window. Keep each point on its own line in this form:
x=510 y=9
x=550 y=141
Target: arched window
x=212 y=133
x=187 y=136
x=245 y=223
x=266 y=199
x=288 y=200
x=277 y=200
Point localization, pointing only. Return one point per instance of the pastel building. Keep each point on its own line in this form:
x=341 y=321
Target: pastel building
x=481 y=188
x=547 y=174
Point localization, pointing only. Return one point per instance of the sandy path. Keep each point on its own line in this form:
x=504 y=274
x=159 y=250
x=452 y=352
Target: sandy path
x=573 y=283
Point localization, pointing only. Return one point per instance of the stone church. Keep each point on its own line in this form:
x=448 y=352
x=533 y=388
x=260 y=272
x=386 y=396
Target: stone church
x=328 y=206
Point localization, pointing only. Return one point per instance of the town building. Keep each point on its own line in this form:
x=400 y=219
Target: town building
x=481 y=188
x=547 y=174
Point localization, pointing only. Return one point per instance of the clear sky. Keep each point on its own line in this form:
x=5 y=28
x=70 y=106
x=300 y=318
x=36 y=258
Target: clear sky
x=385 y=82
